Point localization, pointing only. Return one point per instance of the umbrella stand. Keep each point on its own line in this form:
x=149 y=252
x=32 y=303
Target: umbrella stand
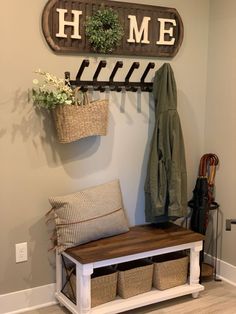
x=208 y=270
x=202 y=203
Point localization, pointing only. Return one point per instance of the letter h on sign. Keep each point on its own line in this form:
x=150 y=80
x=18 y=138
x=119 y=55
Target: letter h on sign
x=75 y=23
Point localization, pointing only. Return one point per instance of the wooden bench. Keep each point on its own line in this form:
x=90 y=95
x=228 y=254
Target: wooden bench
x=140 y=242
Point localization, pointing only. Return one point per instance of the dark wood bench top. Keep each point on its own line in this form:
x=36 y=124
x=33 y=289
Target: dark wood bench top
x=139 y=239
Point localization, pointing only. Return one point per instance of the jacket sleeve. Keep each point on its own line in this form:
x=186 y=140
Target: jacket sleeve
x=176 y=170
x=155 y=185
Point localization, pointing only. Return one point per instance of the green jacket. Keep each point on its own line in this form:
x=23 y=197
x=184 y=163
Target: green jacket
x=166 y=181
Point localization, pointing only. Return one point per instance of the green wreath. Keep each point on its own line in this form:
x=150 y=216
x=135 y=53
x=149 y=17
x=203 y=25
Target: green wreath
x=104 y=30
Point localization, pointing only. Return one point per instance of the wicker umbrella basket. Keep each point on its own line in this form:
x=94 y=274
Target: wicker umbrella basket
x=134 y=278
x=170 y=270
x=103 y=286
x=74 y=122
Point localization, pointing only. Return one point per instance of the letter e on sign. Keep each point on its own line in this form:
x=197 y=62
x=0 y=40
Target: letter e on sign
x=165 y=29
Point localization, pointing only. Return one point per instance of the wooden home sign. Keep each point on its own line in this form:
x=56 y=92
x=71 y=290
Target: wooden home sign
x=148 y=30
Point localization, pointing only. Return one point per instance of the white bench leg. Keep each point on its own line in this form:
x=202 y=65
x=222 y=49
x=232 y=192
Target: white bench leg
x=83 y=288
x=58 y=272
x=194 y=263
x=195 y=295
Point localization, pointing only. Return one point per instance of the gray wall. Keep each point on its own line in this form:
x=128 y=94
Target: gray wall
x=221 y=115
x=34 y=166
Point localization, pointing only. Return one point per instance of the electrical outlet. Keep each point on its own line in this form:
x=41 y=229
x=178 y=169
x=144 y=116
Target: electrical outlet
x=21 y=252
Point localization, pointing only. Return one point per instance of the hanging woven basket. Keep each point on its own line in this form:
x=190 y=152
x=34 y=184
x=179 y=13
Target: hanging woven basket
x=74 y=122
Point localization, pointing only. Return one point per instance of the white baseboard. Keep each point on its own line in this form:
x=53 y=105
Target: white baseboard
x=225 y=271
x=27 y=300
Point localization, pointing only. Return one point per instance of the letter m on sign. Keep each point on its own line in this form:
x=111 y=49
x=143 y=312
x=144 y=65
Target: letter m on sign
x=141 y=35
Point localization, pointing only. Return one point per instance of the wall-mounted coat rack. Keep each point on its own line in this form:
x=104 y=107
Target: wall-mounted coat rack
x=111 y=84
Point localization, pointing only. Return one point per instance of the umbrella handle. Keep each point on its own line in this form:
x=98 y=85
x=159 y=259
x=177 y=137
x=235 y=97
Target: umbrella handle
x=206 y=159
x=211 y=177
x=202 y=166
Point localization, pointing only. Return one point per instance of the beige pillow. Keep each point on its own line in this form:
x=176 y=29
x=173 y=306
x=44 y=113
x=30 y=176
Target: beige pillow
x=88 y=215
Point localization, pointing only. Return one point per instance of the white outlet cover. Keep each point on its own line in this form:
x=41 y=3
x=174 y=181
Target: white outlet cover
x=21 y=252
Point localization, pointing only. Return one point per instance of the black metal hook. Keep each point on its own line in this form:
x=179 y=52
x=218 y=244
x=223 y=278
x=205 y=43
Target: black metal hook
x=128 y=86
x=119 y=64
x=84 y=64
x=102 y=64
x=145 y=88
x=131 y=88
x=84 y=88
x=111 y=84
x=151 y=65
x=134 y=88
x=134 y=66
x=118 y=89
x=101 y=89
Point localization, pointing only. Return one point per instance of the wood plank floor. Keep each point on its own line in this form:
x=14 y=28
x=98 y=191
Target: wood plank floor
x=218 y=298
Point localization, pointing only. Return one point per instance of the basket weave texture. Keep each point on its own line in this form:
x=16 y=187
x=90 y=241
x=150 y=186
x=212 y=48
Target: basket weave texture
x=134 y=278
x=74 y=122
x=103 y=287
x=170 y=273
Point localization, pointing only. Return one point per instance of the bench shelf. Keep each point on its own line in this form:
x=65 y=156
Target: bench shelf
x=140 y=242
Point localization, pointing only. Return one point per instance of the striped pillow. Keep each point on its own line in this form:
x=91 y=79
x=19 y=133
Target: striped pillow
x=88 y=215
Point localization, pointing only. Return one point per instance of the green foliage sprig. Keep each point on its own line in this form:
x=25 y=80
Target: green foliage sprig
x=104 y=30
x=52 y=91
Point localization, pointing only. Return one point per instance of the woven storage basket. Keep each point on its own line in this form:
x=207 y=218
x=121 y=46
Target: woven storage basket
x=74 y=122
x=134 y=278
x=103 y=286
x=170 y=270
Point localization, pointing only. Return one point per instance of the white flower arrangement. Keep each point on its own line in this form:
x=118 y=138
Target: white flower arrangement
x=53 y=91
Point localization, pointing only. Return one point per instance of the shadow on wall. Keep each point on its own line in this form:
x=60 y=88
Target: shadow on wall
x=78 y=158
x=41 y=250
x=37 y=271
x=86 y=156
x=28 y=123
x=193 y=135
x=2 y=132
x=140 y=204
x=3 y=104
x=134 y=100
x=37 y=125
